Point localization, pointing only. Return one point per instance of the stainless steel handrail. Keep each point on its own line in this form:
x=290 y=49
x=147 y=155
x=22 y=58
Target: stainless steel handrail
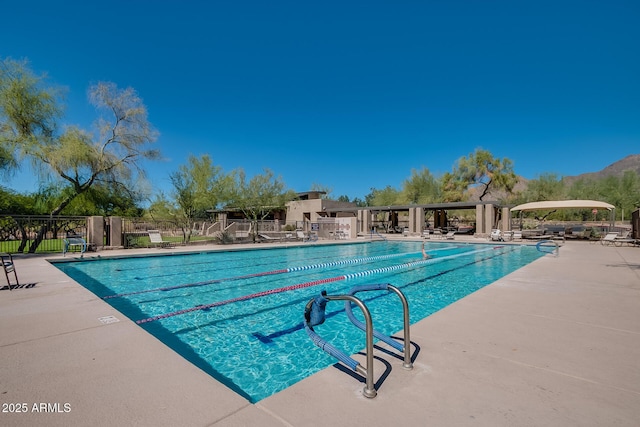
x=407 y=364
x=369 y=389
x=311 y=308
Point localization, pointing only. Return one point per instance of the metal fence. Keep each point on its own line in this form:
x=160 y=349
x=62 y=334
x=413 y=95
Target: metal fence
x=200 y=231
x=38 y=234
x=46 y=234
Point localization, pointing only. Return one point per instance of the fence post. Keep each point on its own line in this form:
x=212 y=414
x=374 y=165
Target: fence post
x=115 y=231
x=95 y=231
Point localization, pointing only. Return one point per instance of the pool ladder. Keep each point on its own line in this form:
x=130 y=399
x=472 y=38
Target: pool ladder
x=542 y=246
x=315 y=315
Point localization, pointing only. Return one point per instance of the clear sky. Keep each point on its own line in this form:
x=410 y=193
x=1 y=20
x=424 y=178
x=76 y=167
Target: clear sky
x=351 y=94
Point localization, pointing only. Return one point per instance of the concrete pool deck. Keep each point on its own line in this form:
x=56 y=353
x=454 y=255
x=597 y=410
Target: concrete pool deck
x=556 y=343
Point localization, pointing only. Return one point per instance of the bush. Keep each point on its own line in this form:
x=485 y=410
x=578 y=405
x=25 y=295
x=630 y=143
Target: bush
x=225 y=237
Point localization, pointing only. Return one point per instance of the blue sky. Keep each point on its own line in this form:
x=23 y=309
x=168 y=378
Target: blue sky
x=351 y=95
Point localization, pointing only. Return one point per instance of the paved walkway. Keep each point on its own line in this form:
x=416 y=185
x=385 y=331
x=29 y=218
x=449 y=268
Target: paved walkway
x=556 y=343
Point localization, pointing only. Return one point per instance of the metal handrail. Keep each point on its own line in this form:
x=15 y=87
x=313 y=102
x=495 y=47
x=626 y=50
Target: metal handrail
x=407 y=364
x=315 y=315
x=555 y=251
x=369 y=389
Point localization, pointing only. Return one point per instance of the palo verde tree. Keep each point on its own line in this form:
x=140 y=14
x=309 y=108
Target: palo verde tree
x=420 y=188
x=383 y=197
x=109 y=156
x=257 y=197
x=479 y=169
x=322 y=188
x=29 y=111
x=548 y=186
x=197 y=186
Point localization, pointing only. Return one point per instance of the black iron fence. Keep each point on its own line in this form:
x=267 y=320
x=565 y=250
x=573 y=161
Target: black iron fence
x=38 y=234
x=46 y=234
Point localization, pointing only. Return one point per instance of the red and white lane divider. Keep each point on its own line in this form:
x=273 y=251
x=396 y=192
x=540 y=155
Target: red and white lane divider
x=311 y=283
x=269 y=273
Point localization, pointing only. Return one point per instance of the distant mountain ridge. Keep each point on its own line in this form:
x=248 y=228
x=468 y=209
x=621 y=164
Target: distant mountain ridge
x=631 y=162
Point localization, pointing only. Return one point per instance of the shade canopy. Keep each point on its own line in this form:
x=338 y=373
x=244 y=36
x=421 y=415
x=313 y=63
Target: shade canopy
x=562 y=204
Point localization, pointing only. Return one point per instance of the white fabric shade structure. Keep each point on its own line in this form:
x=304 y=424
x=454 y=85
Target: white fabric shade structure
x=563 y=204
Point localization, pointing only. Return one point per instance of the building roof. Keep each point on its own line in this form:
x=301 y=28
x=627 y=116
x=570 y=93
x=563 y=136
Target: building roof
x=453 y=205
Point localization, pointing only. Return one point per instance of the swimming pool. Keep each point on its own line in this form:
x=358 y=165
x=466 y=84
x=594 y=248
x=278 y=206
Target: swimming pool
x=238 y=315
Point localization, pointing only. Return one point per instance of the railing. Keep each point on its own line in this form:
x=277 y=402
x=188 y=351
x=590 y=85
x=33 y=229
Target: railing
x=548 y=247
x=38 y=234
x=315 y=315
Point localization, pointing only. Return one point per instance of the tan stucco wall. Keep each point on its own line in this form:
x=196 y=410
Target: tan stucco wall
x=314 y=207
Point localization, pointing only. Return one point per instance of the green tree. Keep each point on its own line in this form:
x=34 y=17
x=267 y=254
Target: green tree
x=383 y=197
x=420 y=188
x=106 y=201
x=7 y=160
x=110 y=157
x=197 y=186
x=257 y=197
x=324 y=188
x=630 y=192
x=356 y=200
x=582 y=189
x=161 y=207
x=359 y=202
x=29 y=110
x=547 y=186
x=479 y=169
x=16 y=203
x=621 y=191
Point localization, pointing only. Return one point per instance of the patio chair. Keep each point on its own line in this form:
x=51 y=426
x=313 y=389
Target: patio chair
x=614 y=239
x=309 y=237
x=268 y=238
x=156 y=239
x=496 y=235
x=9 y=267
x=74 y=241
x=426 y=234
x=609 y=239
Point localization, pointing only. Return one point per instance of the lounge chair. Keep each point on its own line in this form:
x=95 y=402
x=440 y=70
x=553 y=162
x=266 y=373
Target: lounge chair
x=426 y=234
x=517 y=235
x=609 y=239
x=496 y=235
x=309 y=237
x=437 y=234
x=9 y=267
x=450 y=235
x=614 y=239
x=268 y=238
x=341 y=235
x=156 y=239
x=75 y=241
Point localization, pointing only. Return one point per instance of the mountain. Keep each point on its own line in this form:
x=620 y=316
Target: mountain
x=631 y=162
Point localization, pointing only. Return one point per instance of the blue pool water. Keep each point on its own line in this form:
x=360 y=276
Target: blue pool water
x=248 y=333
